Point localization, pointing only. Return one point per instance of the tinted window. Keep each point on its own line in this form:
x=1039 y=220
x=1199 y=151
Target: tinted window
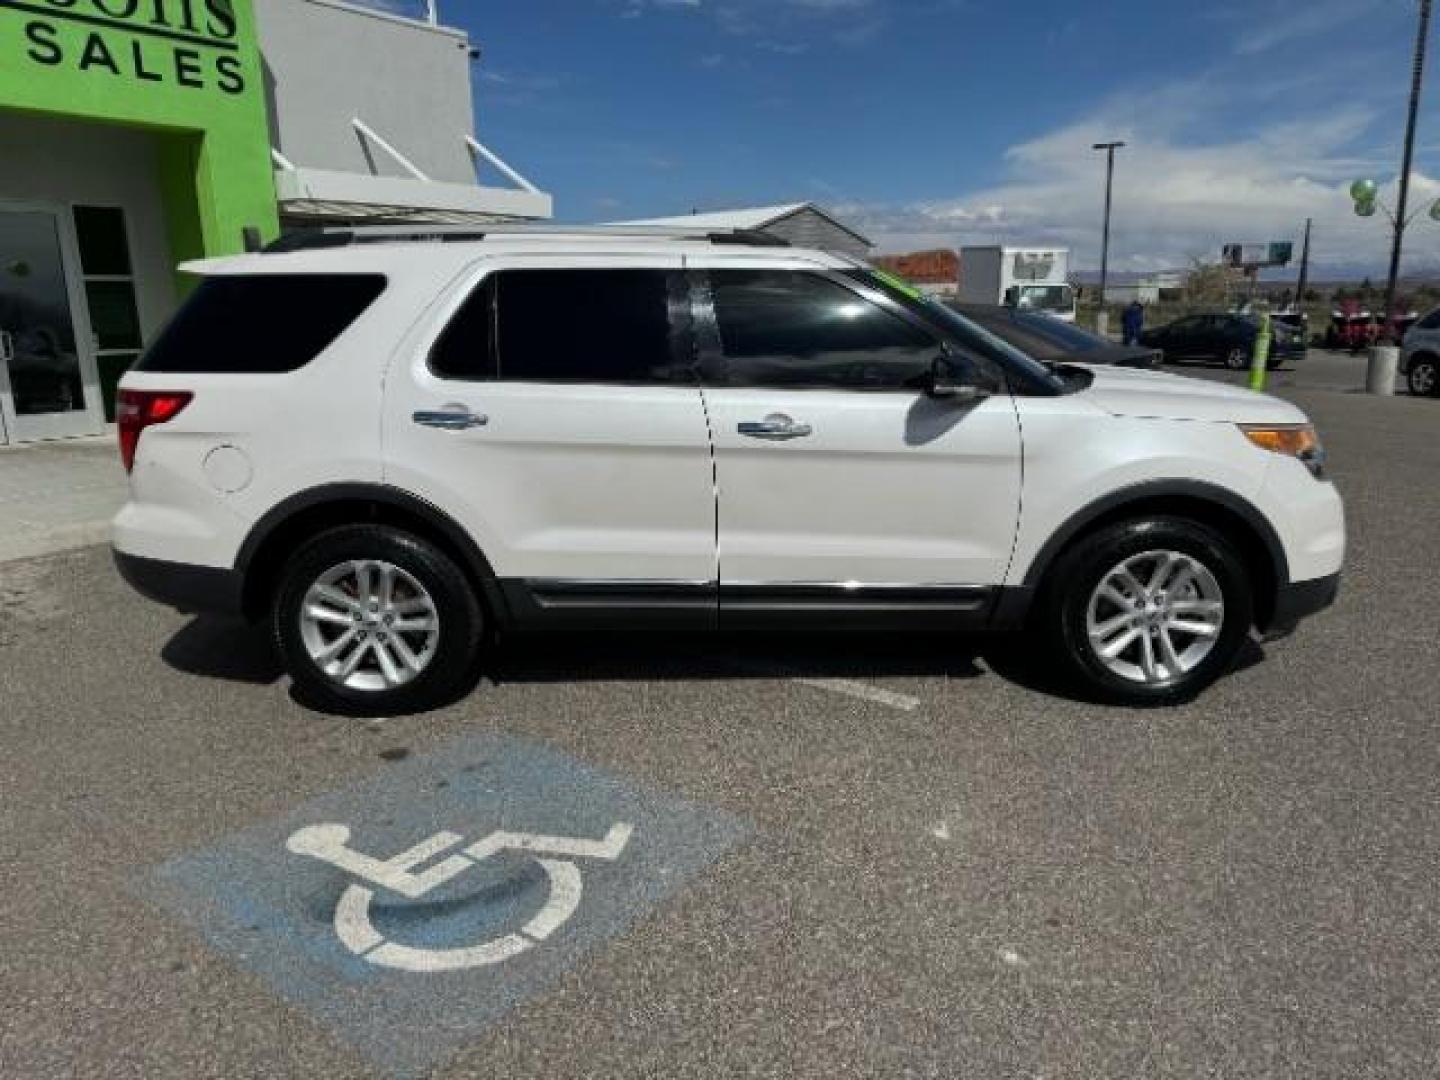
x=104 y=249
x=601 y=326
x=261 y=323
x=1431 y=321
x=113 y=317
x=466 y=349
x=783 y=328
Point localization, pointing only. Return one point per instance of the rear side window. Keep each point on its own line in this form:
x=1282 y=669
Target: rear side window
x=1431 y=321
x=263 y=324
x=576 y=326
x=466 y=348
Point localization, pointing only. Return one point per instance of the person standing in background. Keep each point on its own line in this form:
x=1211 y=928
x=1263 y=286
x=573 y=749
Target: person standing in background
x=1133 y=322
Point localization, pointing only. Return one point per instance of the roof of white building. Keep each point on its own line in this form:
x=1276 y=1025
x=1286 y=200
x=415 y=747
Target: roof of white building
x=753 y=217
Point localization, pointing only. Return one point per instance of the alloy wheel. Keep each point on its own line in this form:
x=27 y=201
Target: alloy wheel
x=1423 y=379
x=1155 y=617
x=369 y=625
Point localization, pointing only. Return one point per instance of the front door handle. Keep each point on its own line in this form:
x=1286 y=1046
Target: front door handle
x=777 y=427
x=451 y=418
x=7 y=347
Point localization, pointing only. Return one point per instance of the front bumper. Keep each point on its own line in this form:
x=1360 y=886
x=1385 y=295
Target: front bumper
x=187 y=588
x=1299 y=600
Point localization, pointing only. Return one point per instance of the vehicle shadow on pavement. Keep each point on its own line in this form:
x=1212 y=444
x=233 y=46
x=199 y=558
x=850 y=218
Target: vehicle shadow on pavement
x=1013 y=658
x=233 y=651
x=224 y=649
x=701 y=656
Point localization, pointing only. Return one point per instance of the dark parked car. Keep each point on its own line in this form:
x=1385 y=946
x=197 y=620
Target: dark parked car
x=1047 y=338
x=1227 y=337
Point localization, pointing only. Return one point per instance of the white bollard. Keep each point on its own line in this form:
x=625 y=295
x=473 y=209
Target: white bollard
x=1102 y=323
x=1384 y=364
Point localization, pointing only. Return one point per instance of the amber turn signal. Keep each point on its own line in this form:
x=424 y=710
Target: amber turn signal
x=1292 y=440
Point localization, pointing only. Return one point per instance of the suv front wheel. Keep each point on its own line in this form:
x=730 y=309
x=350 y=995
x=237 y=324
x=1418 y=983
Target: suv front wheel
x=373 y=621
x=1149 y=611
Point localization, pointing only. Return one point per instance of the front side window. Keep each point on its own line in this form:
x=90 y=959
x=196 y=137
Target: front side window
x=1431 y=321
x=795 y=329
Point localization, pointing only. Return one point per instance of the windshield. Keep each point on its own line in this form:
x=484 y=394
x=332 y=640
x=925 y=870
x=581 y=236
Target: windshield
x=1046 y=298
x=962 y=329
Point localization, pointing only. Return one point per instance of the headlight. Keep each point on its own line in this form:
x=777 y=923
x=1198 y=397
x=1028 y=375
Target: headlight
x=1293 y=440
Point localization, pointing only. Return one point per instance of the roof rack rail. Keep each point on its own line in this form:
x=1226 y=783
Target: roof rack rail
x=318 y=239
x=748 y=238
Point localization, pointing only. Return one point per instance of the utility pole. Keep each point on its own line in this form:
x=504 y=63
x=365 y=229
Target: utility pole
x=1421 y=40
x=1110 y=147
x=1304 y=281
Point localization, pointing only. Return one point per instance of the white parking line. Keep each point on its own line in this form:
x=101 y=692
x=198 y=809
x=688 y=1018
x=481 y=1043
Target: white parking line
x=865 y=692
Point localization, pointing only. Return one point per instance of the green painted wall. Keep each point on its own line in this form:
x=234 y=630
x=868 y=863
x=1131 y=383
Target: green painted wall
x=189 y=70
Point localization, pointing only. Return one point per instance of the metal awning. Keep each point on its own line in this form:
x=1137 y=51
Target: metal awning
x=321 y=212
x=306 y=192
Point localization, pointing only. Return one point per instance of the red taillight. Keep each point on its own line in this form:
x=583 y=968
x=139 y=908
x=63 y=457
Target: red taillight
x=135 y=410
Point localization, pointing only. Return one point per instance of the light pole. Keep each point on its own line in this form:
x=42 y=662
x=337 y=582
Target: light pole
x=1109 y=148
x=1366 y=192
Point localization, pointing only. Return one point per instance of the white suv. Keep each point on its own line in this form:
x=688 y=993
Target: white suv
x=392 y=446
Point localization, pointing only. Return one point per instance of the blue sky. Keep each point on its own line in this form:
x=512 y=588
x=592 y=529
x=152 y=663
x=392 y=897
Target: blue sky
x=932 y=122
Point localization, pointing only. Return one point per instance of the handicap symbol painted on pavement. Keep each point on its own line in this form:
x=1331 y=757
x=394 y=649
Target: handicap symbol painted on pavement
x=412 y=910
x=353 y=925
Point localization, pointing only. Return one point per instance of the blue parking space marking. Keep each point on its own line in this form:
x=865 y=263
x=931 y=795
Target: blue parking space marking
x=411 y=912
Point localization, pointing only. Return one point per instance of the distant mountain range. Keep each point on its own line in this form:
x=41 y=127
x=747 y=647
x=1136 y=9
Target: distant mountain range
x=1320 y=276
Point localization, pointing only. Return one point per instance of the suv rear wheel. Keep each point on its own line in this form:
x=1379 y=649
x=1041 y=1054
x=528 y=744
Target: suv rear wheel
x=1424 y=377
x=1149 y=611
x=371 y=620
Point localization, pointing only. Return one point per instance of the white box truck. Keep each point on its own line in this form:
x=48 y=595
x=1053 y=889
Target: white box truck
x=1028 y=278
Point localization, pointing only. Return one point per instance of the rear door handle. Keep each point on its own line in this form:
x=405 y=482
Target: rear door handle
x=451 y=418
x=777 y=427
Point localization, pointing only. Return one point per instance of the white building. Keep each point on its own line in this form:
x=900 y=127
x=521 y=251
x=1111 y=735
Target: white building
x=137 y=136
x=1147 y=290
x=802 y=224
x=372 y=119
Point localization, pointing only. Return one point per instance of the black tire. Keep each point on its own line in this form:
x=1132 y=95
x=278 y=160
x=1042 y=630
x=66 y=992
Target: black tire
x=1236 y=358
x=1424 y=376
x=461 y=622
x=1078 y=573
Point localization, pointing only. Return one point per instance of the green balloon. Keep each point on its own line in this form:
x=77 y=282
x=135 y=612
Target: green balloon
x=1364 y=191
x=1365 y=209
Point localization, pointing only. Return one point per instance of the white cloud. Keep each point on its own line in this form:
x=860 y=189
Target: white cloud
x=1176 y=196
x=1271 y=27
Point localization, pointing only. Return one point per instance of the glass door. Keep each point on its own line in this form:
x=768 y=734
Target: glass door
x=48 y=382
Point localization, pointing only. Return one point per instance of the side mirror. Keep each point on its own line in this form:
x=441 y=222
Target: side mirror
x=946 y=382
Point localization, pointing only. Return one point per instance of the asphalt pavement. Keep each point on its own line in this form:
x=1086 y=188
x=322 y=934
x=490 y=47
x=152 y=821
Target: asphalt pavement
x=897 y=857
